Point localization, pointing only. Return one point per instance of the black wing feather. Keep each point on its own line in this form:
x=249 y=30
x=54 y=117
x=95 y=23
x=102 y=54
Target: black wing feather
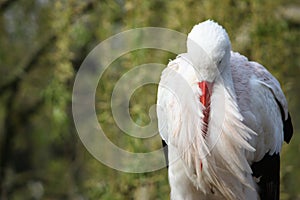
x=288 y=129
x=267 y=171
x=165 y=146
x=287 y=124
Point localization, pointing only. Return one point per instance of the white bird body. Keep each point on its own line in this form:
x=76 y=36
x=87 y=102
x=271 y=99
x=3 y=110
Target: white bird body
x=211 y=158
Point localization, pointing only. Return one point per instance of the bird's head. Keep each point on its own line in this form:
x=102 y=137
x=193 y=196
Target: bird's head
x=208 y=47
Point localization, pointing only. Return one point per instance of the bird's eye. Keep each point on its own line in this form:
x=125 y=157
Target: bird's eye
x=219 y=62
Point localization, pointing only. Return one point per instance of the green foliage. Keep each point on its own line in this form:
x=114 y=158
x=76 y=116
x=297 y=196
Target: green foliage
x=44 y=42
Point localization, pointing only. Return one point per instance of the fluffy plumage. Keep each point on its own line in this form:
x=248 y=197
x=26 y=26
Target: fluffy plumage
x=244 y=125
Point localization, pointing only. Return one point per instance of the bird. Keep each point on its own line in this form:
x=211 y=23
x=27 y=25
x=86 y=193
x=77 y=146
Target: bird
x=223 y=120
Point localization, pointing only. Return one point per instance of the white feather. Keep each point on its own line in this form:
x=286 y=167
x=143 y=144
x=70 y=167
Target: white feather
x=244 y=125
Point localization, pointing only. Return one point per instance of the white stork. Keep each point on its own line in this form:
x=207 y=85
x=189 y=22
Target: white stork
x=223 y=120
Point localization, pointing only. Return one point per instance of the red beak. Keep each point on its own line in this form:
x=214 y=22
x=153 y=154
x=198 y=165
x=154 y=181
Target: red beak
x=206 y=89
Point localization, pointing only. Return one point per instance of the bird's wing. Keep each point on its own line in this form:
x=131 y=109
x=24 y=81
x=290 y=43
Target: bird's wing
x=262 y=103
x=265 y=110
x=268 y=169
x=265 y=78
x=175 y=77
x=165 y=99
x=178 y=107
x=176 y=88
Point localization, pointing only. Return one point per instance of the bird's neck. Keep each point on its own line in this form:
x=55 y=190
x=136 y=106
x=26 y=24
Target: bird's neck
x=226 y=79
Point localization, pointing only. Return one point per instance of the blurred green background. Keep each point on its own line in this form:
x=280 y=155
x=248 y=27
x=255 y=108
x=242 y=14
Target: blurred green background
x=43 y=43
